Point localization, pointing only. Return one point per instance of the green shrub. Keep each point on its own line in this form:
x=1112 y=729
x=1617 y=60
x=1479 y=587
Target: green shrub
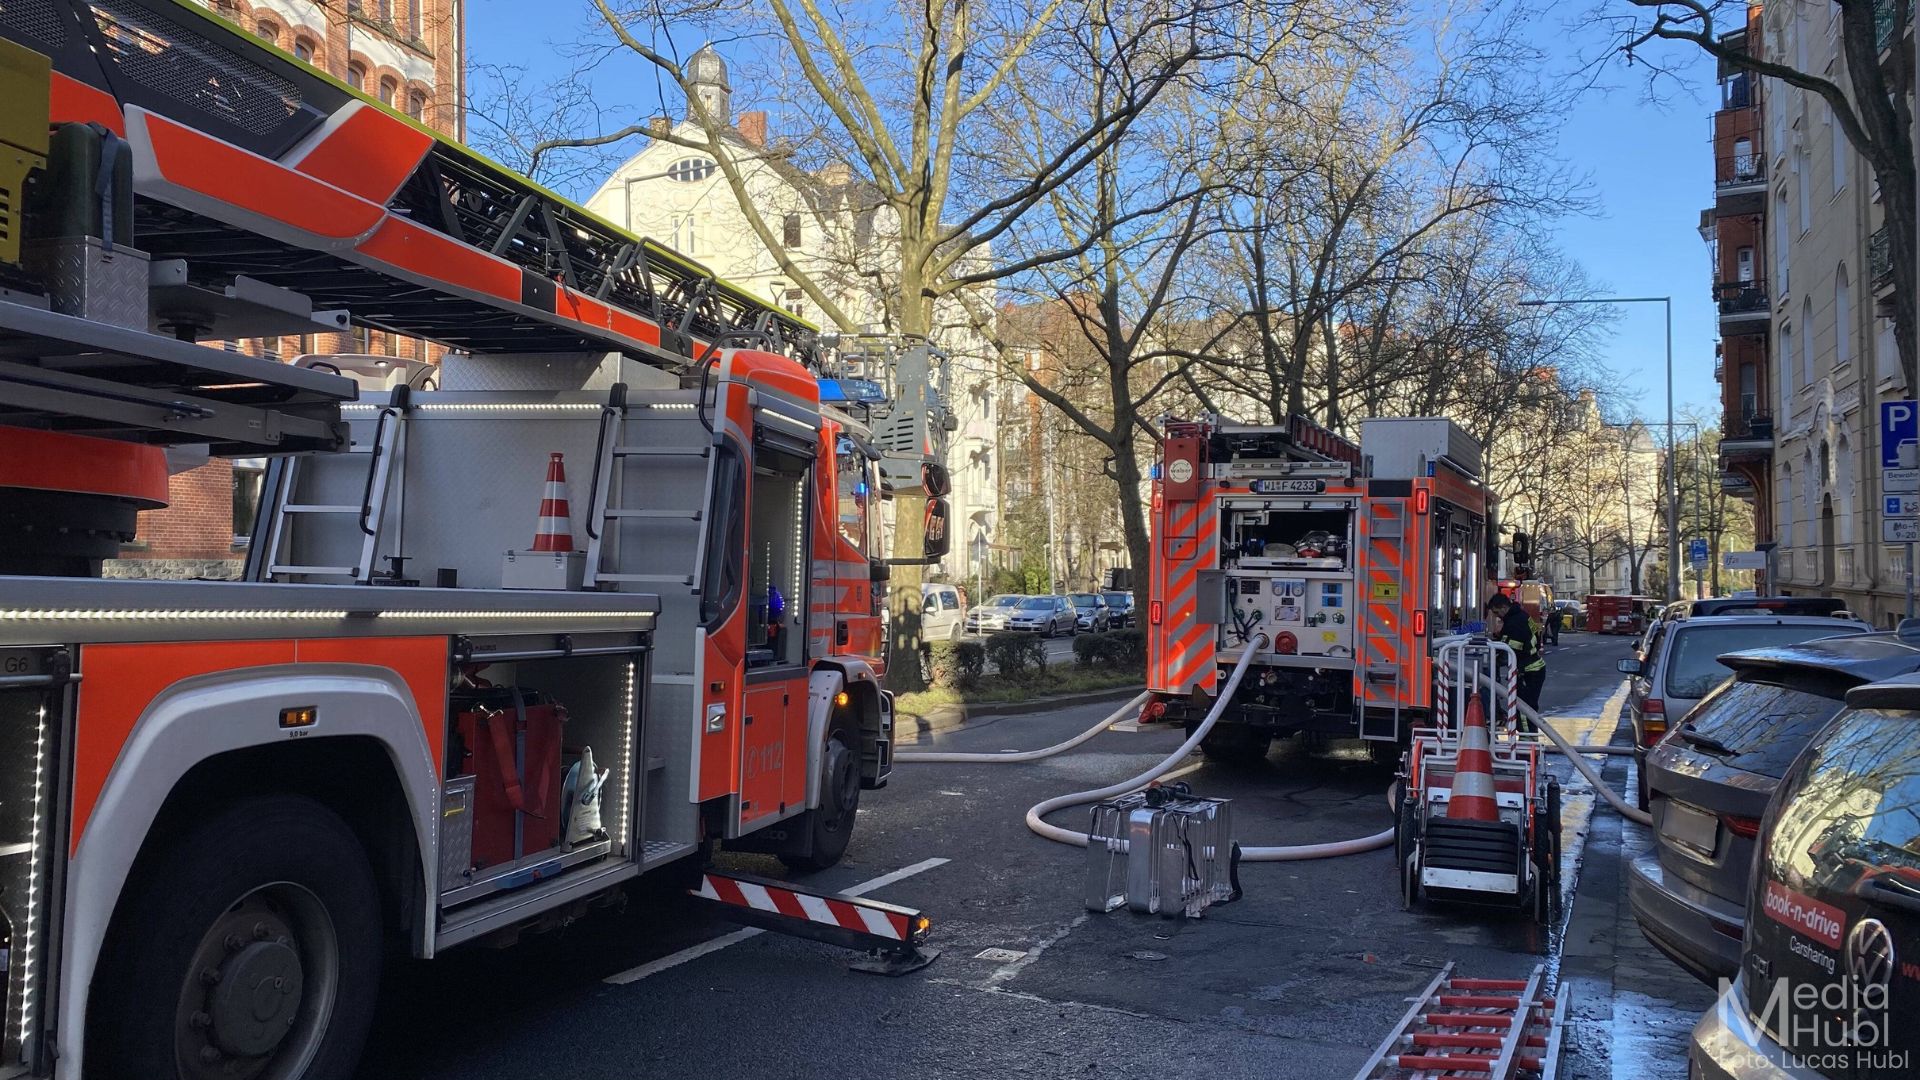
x=1115 y=649
x=955 y=665
x=1017 y=656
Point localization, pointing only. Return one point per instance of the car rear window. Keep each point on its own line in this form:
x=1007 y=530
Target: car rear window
x=1854 y=808
x=1693 y=665
x=1758 y=724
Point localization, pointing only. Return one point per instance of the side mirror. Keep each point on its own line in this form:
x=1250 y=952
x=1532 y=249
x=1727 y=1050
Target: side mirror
x=934 y=479
x=1629 y=667
x=937 y=540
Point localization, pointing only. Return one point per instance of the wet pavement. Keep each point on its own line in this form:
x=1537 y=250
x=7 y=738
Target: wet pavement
x=1300 y=978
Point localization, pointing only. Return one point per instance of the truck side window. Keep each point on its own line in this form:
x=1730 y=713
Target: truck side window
x=777 y=561
x=725 y=540
x=854 y=495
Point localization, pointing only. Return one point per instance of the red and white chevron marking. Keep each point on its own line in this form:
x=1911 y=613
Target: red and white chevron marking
x=891 y=925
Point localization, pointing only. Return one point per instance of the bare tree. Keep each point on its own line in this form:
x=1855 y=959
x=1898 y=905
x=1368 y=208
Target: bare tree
x=1873 y=108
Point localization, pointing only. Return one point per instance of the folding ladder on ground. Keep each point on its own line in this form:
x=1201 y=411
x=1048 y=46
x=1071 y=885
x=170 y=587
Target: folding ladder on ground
x=1458 y=1027
x=385 y=456
x=605 y=516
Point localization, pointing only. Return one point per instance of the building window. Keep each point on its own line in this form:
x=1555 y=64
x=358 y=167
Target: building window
x=1749 y=392
x=796 y=301
x=792 y=230
x=413 y=18
x=1806 y=341
x=1840 y=151
x=1803 y=189
x=385 y=10
x=303 y=49
x=247 y=476
x=388 y=88
x=691 y=170
x=1842 y=318
x=267 y=32
x=1786 y=375
x=416 y=104
x=357 y=76
x=1782 y=248
x=685 y=234
x=353 y=7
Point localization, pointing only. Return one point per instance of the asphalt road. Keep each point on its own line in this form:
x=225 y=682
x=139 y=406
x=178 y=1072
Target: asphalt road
x=1299 y=979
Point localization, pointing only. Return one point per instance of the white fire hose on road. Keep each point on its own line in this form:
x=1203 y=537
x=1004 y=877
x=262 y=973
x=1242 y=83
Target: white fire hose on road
x=1036 y=816
x=1577 y=755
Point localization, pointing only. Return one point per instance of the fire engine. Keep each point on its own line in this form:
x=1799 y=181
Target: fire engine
x=1350 y=558
x=221 y=803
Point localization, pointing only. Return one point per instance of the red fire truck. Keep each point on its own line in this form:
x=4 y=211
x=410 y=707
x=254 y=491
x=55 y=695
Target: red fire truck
x=1349 y=557
x=221 y=802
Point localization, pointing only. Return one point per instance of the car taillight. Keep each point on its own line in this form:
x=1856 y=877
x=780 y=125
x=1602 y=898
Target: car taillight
x=1653 y=721
x=1153 y=612
x=1286 y=644
x=1744 y=827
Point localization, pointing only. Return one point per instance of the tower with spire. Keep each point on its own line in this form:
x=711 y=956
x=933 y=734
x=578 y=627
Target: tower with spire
x=707 y=81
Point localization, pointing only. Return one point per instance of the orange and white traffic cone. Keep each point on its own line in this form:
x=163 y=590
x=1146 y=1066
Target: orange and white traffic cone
x=1472 y=796
x=555 y=529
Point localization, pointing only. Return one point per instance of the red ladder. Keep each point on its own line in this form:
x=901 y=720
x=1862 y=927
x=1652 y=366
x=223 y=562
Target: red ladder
x=1497 y=1028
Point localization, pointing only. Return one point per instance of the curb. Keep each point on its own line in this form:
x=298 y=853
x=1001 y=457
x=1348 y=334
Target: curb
x=950 y=717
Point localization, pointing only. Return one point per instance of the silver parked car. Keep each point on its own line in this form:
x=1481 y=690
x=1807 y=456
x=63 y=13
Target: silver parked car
x=991 y=617
x=1090 y=612
x=1711 y=779
x=1681 y=665
x=1047 y=615
x=1828 y=985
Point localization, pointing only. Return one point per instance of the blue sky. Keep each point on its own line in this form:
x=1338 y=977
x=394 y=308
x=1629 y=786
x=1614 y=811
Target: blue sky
x=1649 y=165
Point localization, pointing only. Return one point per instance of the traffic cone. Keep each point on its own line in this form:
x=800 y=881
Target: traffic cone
x=1472 y=796
x=555 y=530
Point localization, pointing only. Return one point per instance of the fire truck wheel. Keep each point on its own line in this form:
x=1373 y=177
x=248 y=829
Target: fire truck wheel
x=1235 y=744
x=247 y=949
x=830 y=826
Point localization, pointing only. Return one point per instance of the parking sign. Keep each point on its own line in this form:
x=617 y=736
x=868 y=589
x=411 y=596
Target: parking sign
x=1697 y=552
x=1899 y=446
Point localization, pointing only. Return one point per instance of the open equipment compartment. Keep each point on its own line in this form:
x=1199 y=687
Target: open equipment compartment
x=504 y=819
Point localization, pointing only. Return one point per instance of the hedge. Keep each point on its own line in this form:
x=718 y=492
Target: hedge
x=1114 y=648
x=1018 y=656
x=955 y=665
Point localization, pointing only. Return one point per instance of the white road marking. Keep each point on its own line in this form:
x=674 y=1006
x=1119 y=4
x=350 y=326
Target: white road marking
x=1006 y=972
x=695 y=952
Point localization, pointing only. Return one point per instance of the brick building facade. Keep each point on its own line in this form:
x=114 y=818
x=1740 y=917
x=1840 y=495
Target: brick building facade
x=408 y=54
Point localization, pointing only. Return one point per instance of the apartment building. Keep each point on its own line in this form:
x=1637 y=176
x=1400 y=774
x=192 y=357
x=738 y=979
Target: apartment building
x=1805 y=355
x=410 y=55
x=837 y=230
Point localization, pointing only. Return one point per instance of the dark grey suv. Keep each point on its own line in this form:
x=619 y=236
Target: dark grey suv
x=1709 y=782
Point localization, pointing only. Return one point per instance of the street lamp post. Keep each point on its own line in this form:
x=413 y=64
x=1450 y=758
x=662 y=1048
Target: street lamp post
x=1673 y=489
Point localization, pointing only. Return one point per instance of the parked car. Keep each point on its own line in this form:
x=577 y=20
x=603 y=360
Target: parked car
x=991 y=617
x=1763 y=605
x=1048 y=615
x=1120 y=609
x=1091 y=612
x=1710 y=780
x=1827 y=984
x=1681 y=665
x=942 y=609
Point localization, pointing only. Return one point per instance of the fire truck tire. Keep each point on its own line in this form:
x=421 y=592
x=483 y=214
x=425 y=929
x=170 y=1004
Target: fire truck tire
x=1236 y=744
x=272 y=891
x=830 y=826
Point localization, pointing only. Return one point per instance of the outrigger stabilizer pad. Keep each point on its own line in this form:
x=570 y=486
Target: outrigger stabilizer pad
x=889 y=934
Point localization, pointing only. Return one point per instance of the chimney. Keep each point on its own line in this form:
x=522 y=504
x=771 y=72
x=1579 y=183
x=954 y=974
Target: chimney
x=753 y=127
x=659 y=126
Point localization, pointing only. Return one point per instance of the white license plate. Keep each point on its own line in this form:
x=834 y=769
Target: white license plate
x=1694 y=828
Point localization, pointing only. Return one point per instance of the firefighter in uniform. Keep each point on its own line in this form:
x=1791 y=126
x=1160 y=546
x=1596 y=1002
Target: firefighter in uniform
x=1508 y=622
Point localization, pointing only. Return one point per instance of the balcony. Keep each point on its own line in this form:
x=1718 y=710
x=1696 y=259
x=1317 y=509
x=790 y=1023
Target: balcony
x=1745 y=436
x=1740 y=183
x=1880 y=259
x=1743 y=306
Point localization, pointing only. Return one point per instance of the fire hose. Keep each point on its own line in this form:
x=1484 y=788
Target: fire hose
x=1577 y=755
x=1037 y=814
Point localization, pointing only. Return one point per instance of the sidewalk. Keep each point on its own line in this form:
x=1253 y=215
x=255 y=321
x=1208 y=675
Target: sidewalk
x=1632 y=1008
